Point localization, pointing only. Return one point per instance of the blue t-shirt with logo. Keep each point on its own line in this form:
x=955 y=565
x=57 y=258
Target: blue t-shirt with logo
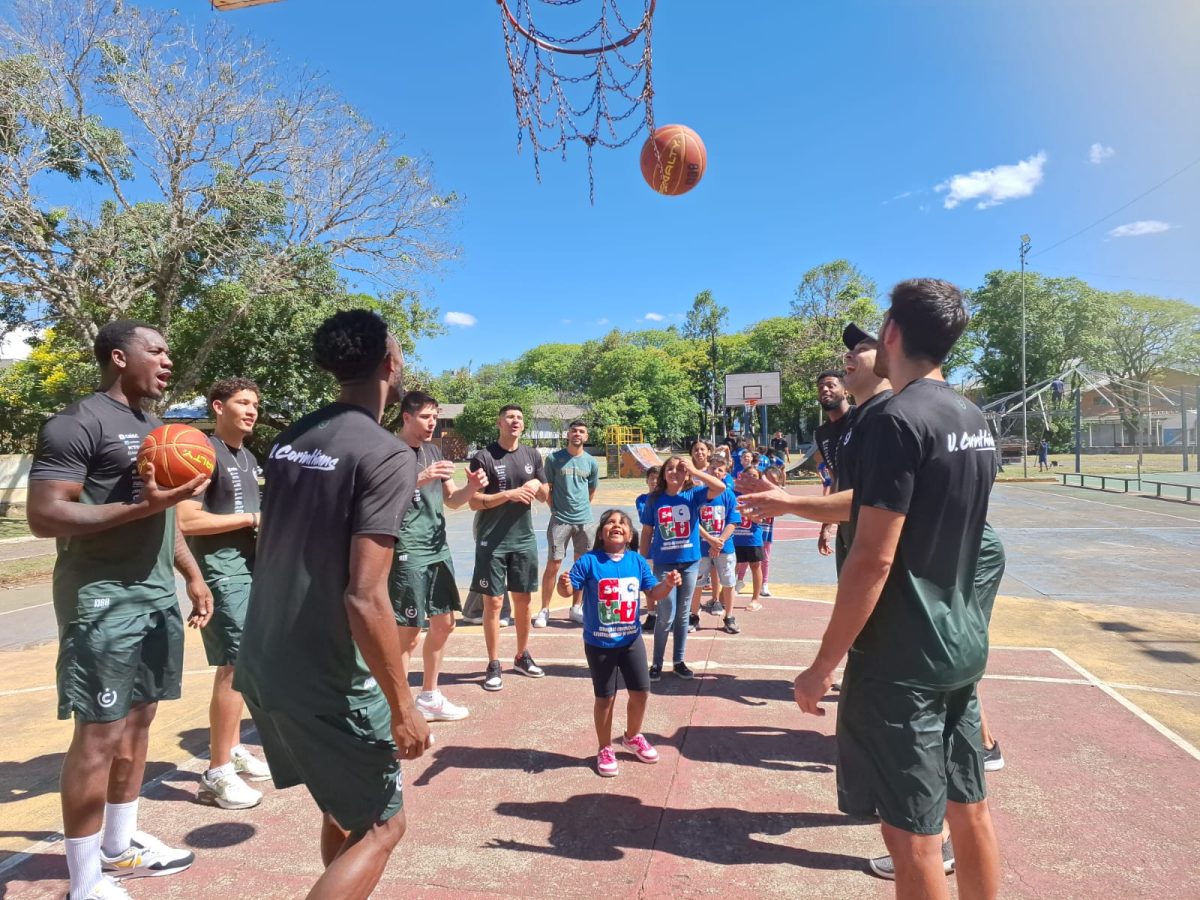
x=748 y=534
x=674 y=518
x=715 y=514
x=611 y=596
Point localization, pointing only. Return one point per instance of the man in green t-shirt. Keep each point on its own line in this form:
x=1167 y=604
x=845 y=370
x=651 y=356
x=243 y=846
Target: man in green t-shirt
x=572 y=475
x=422 y=581
x=119 y=623
x=505 y=545
x=220 y=530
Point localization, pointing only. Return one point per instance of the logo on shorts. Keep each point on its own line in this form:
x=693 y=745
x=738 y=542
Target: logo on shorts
x=483 y=582
x=369 y=683
x=411 y=612
x=107 y=698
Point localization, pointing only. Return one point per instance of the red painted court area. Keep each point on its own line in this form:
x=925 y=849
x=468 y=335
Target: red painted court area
x=1095 y=801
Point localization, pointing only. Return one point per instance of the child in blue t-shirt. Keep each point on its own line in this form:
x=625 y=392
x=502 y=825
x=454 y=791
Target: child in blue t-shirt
x=777 y=477
x=611 y=578
x=748 y=548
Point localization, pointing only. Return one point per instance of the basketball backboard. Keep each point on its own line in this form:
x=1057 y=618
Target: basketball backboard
x=760 y=387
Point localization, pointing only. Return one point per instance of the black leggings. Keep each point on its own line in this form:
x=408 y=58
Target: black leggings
x=605 y=662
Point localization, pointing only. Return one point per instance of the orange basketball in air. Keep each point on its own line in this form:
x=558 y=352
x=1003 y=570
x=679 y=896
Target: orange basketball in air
x=179 y=453
x=673 y=159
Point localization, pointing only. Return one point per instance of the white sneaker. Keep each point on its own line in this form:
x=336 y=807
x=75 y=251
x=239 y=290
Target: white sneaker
x=438 y=709
x=228 y=791
x=542 y=619
x=106 y=889
x=505 y=622
x=576 y=615
x=248 y=765
x=740 y=587
x=764 y=592
x=471 y=620
x=147 y=856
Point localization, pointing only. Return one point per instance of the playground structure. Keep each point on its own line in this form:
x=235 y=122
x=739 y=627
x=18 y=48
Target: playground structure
x=628 y=454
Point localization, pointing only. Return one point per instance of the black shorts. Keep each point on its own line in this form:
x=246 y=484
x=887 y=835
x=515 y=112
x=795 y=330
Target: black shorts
x=748 y=554
x=630 y=661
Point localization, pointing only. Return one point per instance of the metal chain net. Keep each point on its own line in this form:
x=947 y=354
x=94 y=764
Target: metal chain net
x=600 y=99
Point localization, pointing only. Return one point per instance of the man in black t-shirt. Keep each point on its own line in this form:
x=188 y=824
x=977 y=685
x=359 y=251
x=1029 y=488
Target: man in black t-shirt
x=506 y=555
x=779 y=444
x=320 y=663
x=120 y=627
x=220 y=530
x=831 y=394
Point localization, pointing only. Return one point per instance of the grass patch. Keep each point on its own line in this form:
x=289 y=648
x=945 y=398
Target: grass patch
x=11 y=528
x=17 y=572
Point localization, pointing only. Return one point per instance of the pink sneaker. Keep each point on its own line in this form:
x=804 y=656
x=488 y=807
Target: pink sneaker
x=606 y=762
x=639 y=745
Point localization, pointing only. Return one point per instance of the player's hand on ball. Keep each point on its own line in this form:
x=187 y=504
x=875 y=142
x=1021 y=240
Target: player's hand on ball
x=160 y=498
x=202 y=603
x=411 y=734
x=811 y=687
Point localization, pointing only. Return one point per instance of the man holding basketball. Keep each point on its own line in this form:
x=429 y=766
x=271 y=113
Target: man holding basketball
x=220 y=530
x=321 y=665
x=506 y=549
x=120 y=627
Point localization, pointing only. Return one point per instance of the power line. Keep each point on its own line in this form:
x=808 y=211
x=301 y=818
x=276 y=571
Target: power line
x=1119 y=208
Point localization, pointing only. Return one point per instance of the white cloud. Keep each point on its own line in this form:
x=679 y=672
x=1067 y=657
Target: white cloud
x=1137 y=229
x=1098 y=153
x=992 y=187
x=462 y=319
x=602 y=321
x=655 y=317
x=13 y=346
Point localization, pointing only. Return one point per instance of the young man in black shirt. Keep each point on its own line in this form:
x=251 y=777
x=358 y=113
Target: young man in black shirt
x=320 y=665
x=220 y=529
x=120 y=627
x=831 y=394
x=908 y=611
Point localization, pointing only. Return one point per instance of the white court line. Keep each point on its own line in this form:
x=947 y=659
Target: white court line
x=1130 y=705
x=9 y=612
x=1151 y=512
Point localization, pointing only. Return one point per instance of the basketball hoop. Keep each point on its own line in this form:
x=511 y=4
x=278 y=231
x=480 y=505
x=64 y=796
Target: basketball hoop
x=597 y=100
x=752 y=403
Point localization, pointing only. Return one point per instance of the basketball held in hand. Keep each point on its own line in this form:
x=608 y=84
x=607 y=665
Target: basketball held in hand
x=179 y=453
x=673 y=159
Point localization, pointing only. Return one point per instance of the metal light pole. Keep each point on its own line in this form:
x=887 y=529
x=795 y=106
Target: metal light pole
x=1025 y=244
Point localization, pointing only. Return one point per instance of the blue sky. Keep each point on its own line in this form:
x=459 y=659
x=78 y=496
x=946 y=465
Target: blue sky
x=829 y=127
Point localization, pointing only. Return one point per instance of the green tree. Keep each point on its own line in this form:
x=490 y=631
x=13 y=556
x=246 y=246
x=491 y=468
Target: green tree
x=552 y=367
x=624 y=376
x=1066 y=320
x=705 y=322
x=57 y=372
x=477 y=422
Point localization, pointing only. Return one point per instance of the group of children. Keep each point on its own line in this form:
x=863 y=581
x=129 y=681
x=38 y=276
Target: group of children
x=691 y=530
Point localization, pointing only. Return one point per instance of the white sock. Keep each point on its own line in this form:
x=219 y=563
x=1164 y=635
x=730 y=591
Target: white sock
x=428 y=696
x=83 y=864
x=120 y=821
x=219 y=771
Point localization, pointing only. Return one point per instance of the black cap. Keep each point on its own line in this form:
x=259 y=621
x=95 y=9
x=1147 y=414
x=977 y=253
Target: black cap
x=852 y=336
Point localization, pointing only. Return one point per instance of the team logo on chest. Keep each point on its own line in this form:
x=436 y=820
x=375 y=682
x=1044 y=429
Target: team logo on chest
x=674 y=522
x=618 y=600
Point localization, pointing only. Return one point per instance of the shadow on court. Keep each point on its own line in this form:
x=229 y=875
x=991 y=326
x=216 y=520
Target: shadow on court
x=1151 y=646
x=603 y=827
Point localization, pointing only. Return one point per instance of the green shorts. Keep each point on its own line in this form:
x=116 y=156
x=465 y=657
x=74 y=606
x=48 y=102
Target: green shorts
x=989 y=570
x=512 y=570
x=108 y=665
x=347 y=760
x=421 y=592
x=223 y=634
x=903 y=752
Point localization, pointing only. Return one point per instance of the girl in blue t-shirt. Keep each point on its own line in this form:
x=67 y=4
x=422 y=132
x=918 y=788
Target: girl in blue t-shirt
x=651 y=486
x=671 y=539
x=748 y=547
x=776 y=476
x=611 y=578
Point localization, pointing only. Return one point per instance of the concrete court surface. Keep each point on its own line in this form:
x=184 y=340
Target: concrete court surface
x=1099 y=729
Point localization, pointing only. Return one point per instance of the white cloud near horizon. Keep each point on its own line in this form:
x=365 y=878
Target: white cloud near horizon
x=13 y=346
x=1098 y=153
x=461 y=319
x=1140 y=228
x=655 y=317
x=994 y=186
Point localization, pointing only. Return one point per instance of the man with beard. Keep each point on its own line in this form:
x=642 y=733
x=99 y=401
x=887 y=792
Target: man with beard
x=120 y=627
x=831 y=394
x=321 y=665
x=572 y=476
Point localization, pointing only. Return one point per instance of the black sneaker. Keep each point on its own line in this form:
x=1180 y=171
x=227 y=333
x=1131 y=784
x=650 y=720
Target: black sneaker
x=993 y=759
x=656 y=673
x=493 y=678
x=693 y=623
x=651 y=619
x=683 y=671
x=526 y=666
x=731 y=626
